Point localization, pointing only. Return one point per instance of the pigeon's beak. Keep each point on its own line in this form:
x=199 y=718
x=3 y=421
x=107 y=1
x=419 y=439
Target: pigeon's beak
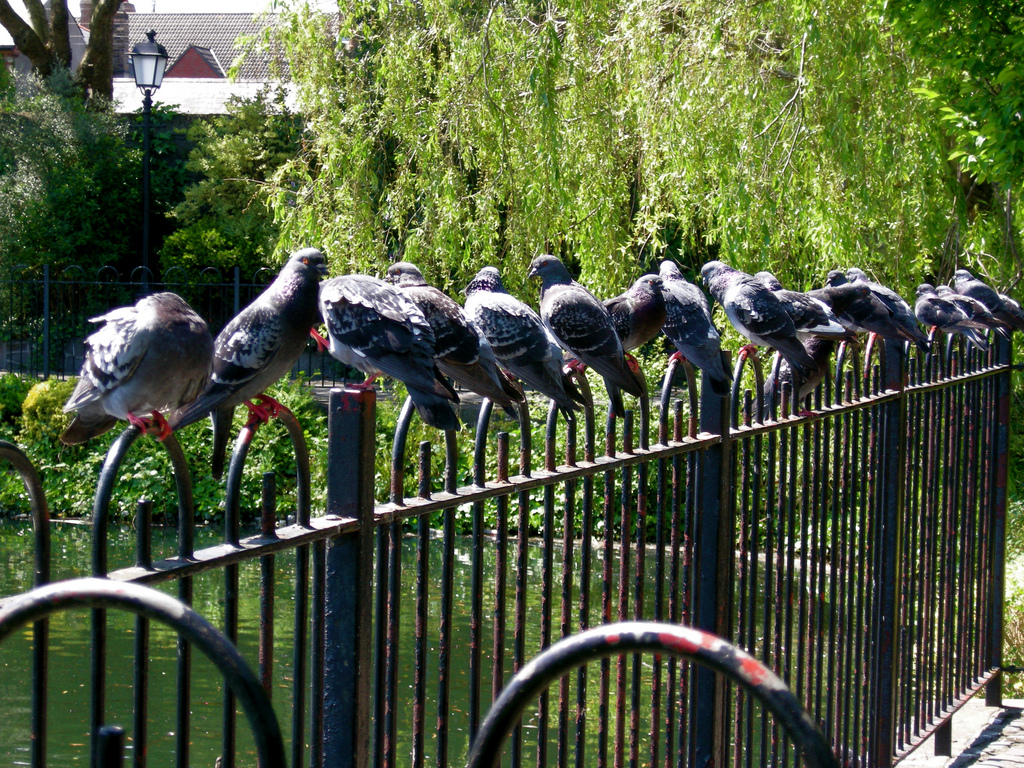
x=532 y=272
x=321 y=270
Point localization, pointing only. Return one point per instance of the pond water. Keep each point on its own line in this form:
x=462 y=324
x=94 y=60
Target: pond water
x=70 y=642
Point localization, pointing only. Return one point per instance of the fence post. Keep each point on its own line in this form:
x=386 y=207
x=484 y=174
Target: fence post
x=888 y=545
x=46 y=321
x=712 y=548
x=238 y=290
x=348 y=588
x=1001 y=450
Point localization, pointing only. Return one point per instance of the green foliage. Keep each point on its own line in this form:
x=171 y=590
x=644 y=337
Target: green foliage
x=224 y=218
x=772 y=135
x=70 y=474
x=63 y=170
x=973 y=54
x=13 y=390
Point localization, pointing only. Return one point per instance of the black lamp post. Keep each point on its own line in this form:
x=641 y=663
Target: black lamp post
x=148 y=61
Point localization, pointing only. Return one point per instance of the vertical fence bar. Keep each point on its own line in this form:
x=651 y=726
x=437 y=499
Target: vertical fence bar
x=888 y=540
x=711 y=609
x=46 y=321
x=997 y=572
x=348 y=631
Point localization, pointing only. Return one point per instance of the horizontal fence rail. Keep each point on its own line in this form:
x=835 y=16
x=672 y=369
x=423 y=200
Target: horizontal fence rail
x=855 y=547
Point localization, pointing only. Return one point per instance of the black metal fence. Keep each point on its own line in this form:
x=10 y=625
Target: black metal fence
x=857 y=549
x=46 y=313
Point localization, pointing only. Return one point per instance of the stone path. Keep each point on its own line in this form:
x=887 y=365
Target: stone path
x=983 y=737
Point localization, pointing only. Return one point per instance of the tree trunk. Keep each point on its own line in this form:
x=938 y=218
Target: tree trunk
x=31 y=41
x=96 y=72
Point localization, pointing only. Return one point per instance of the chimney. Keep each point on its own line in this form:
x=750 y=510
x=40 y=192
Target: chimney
x=85 y=13
x=120 y=45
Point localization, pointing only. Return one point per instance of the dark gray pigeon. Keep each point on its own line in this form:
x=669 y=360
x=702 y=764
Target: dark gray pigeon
x=811 y=316
x=974 y=309
x=757 y=313
x=258 y=347
x=866 y=313
x=902 y=314
x=377 y=329
x=519 y=340
x=143 y=361
x=688 y=325
x=582 y=325
x=969 y=285
x=820 y=351
x=933 y=311
x=639 y=313
x=459 y=349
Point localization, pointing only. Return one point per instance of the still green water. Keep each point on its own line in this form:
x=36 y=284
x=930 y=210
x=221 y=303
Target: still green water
x=70 y=642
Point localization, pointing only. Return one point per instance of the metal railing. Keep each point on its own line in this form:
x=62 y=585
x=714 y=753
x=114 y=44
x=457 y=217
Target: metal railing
x=47 y=313
x=857 y=550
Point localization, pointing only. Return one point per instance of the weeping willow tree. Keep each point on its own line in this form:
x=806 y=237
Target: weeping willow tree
x=778 y=135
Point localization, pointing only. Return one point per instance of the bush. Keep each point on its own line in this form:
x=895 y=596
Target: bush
x=70 y=473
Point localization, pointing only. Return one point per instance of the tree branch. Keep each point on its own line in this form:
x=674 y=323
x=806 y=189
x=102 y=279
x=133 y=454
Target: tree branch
x=25 y=37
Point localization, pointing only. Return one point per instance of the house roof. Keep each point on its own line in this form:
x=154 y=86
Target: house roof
x=192 y=96
x=196 y=62
x=177 y=32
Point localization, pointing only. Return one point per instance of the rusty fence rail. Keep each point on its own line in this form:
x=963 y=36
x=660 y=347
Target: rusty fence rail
x=856 y=549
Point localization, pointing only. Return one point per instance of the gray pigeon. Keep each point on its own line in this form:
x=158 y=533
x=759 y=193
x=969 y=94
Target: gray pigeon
x=688 y=325
x=974 y=309
x=639 y=313
x=582 y=325
x=258 y=347
x=811 y=316
x=377 y=329
x=820 y=351
x=757 y=313
x=902 y=314
x=459 y=350
x=519 y=340
x=143 y=361
x=1013 y=307
x=933 y=311
x=969 y=285
x=866 y=313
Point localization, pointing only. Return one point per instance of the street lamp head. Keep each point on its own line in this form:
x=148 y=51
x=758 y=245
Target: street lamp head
x=148 y=61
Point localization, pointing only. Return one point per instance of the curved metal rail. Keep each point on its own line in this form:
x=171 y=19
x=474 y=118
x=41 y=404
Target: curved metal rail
x=657 y=638
x=102 y=594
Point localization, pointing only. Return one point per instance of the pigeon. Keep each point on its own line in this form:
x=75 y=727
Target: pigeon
x=519 y=340
x=757 y=313
x=639 y=313
x=584 y=328
x=933 y=311
x=974 y=309
x=459 y=349
x=688 y=325
x=255 y=349
x=376 y=328
x=143 y=361
x=902 y=314
x=866 y=313
x=1013 y=308
x=811 y=316
x=820 y=351
x=969 y=285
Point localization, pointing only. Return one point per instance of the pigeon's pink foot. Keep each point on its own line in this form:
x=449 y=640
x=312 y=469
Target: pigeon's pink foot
x=634 y=366
x=748 y=350
x=575 y=365
x=677 y=356
x=268 y=408
x=156 y=426
x=803 y=413
x=367 y=383
x=321 y=342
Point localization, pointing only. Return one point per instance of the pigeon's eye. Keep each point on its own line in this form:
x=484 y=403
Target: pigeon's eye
x=305 y=260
